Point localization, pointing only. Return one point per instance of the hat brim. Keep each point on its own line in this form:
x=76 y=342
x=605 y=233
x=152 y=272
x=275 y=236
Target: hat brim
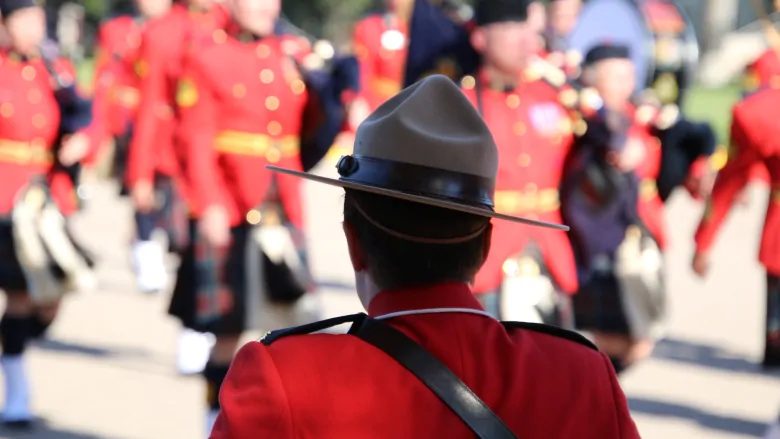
x=444 y=204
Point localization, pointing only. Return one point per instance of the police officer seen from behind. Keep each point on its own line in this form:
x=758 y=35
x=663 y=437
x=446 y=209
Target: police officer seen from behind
x=415 y=245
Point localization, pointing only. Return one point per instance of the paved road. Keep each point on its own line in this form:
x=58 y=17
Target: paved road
x=108 y=371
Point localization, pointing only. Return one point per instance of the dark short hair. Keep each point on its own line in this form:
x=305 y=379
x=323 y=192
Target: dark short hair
x=394 y=262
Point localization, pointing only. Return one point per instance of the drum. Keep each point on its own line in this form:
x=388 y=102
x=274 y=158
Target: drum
x=660 y=34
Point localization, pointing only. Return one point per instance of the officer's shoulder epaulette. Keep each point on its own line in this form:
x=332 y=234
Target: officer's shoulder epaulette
x=552 y=330
x=273 y=336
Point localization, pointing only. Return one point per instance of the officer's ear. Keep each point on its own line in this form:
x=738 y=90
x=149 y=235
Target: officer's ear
x=479 y=39
x=356 y=253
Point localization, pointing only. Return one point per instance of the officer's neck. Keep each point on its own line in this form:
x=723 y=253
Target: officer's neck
x=247 y=36
x=498 y=80
x=21 y=55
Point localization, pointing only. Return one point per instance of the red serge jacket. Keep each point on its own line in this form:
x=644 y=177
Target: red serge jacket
x=336 y=386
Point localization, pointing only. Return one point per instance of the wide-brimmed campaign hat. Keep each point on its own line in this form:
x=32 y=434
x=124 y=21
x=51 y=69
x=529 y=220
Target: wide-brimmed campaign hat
x=428 y=145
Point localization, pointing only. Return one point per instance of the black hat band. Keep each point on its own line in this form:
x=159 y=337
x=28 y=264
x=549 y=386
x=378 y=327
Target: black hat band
x=500 y=11
x=606 y=51
x=417 y=180
x=7 y=7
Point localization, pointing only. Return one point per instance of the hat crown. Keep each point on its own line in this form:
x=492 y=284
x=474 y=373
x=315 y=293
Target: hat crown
x=433 y=124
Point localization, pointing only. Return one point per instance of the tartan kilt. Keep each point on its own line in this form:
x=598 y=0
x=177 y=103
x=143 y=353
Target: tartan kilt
x=598 y=305
x=11 y=274
x=606 y=304
x=213 y=291
x=172 y=213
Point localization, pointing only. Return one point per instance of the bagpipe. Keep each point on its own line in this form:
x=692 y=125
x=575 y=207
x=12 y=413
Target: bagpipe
x=328 y=77
x=439 y=41
x=52 y=261
x=75 y=111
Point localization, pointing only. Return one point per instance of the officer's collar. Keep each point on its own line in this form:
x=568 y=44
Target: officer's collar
x=247 y=37
x=444 y=295
x=16 y=56
x=497 y=84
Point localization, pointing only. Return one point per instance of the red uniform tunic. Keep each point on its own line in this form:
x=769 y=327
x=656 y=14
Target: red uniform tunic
x=533 y=133
x=380 y=43
x=295 y=387
x=651 y=207
x=115 y=85
x=235 y=121
x=165 y=45
x=762 y=73
x=29 y=123
x=755 y=140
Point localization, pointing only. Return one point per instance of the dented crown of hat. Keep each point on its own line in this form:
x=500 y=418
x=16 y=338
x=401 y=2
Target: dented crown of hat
x=428 y=144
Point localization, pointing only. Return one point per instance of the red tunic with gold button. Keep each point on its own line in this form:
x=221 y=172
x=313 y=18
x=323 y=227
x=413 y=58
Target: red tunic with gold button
x=235 y=121
x=533 y=134
x=29 y=125
x=755 y=138
x=380 y=46
x=166 y=43
x=115 y=85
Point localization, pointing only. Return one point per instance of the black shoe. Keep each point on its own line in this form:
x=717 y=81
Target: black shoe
x=20 y=425
x=771 y=357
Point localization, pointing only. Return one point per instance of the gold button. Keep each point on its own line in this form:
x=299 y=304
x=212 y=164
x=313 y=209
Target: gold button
x=219 y=36
x=34 y=96
x=512 y=101
x=519 y=128
x=274 y=128
x=263 y=51
x=580 y=127
x=531 y=188
x=524 y=160
x=7 y=109
x=253 y=217
x=267 y=76
x=468 y=82
x=28 y=73
x=39 y=120
x=298 y=86
x=273 y=155
x=272 y=103
x=239 y=91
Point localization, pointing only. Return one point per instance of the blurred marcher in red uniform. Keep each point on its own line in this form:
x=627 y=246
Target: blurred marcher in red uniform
x=160 y=193
x=33 y=118
x=533 y=134
x=234 y=121
x=754 y=140
x=415 y=245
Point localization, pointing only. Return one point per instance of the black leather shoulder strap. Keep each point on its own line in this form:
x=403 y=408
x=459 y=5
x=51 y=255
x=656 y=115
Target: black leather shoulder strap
x=551 y=330
x=435 y=375
x=273 y=336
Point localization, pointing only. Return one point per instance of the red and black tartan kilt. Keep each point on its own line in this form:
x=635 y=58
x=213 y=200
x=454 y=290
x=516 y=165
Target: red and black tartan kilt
x=171 y=213
x=209 y=295
x=598 y=305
